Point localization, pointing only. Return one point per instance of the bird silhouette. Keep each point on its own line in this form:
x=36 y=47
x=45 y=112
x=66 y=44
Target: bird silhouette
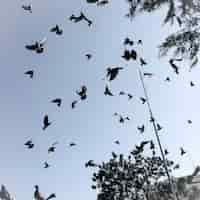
x=166 y=152
x=38 y=195
x=139 y=42
x=174 y=66
x=92 y=1
x=89 y=56
x=117 y=142
x=57 y=30
x=182 y=151
x=33 y=47
x=82 y=92
x=130 y=96
x=141 y=129
x=38 y=47
x=46 y=165
x=112 y=72
x=80 y=18
x=147 y=74
x=143 y=100
x=74 y=104
x=29 y=144
x=72 y=144
x=142 y=62
x=167 y=79
x=102 y=3
x=159 y=127
x=90 y=163
x=127 y=55
x=192 y=84
x=46 y=122
x=127 y=41
x=189 y=121
x=58 y=101
x=51 y=149
x=30 y=73
x=122 y=93
x=107 y=91
x=27 y=8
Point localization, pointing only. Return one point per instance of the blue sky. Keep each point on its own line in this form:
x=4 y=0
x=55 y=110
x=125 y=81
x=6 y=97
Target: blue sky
x=60 y=71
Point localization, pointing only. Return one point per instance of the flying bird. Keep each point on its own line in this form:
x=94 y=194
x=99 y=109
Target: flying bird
x=72 y=144
x=89 y=56
x=142 y=62
x=80 y=18
x=90 y=163
x=74 y=104
x=189 y=121
x=117 y=142
x=38 y=195
x=127 y=41
x=143 y=100
x=82 y=93
x=113 y=72
x=139 y=42
x=46 y=165
x=30 y=73
x=46 y=122
x=141 y=129
x=174 y=66
x=102 y=3
x=29 y=144
x=159 y=127
x=107 y=91
x=57 y=30
x=182 y=151
x=130 y=96
x=58 y=101
x=192 y=84
x=51 y=149
x=167 y=79
x=147 y=74
x=27 y=8
x=166 y=152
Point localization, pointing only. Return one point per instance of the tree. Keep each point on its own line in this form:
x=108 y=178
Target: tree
x=136 y=177
x=185 y=42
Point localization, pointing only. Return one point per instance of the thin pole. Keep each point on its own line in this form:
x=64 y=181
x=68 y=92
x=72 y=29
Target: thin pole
x=156 y=133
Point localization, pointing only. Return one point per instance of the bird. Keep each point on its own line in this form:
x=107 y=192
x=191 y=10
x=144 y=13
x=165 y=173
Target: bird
x=139 y=42
x=143 y=100
x=192 y=84
x=147 y=74
x=29 y=144
x=82 y=92
x=182 y=151
x=72 y=144
x=189 y=121
x=121 y=119
x=177 y=166
x=90 y=163
x=142 y=62
x=51 y=149
x=27 y=8
x=130 y=96
x=46 y=165
x=57 y=30
x=159 y=127
x=112 y=73
x=127 y=41
x=117 y=142
x=32 y=47
x=46 y=122
x=58 y=101
x=174 y=66
x=107 y=91
x=168 y=79
x=122 y=93
x=74 y=104
x=80 y=18
x=38 y=47
x=133 y=54
x=89 y=56
x=166 y=152
x=127 y=55
x=30 y=73
x=38 y=195
x=102 y=3
x=141 y=128
x=92 y=1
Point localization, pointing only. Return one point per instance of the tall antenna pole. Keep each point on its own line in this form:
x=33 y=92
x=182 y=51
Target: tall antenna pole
x=157 y=135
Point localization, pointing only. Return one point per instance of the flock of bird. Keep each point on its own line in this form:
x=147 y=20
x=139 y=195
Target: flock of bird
x=111 y=74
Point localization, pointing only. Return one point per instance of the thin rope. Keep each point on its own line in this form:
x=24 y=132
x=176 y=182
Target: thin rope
x=157 y=135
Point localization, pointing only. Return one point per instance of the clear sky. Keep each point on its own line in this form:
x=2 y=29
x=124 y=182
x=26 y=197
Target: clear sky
x=60 y=71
